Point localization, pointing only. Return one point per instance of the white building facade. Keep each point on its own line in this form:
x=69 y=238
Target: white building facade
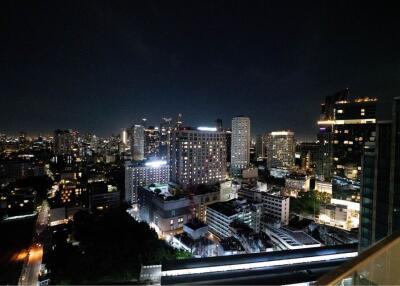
x=144 y=174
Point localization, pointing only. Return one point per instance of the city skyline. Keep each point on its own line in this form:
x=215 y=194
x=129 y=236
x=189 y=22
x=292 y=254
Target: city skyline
x=115 y=64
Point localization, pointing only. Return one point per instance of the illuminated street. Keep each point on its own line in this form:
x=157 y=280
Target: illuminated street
x=30 y=271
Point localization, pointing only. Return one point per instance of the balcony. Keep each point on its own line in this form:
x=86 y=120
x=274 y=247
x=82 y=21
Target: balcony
x=378 y=265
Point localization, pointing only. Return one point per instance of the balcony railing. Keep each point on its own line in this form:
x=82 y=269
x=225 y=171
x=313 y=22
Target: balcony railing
x=378 y=265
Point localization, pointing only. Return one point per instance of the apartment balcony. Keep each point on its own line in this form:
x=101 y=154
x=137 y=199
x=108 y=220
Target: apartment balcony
x=378 y=265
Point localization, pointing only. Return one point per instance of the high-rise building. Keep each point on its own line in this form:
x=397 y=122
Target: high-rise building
x=309 y=154
x=165 y=137
x=380 y=182
x=198 y=156
x=345 y=127
x=63 y=141
x=323 y=162
x=139 y=174
x=260 y=146
x=137 y=142
x=281 y=147
x=240 y=147
x=151 y=142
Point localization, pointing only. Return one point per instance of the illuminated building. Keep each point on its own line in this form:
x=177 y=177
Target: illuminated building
x=340 y=213
x=63 y=141
x=103 y=196
x=143 y=174
x=124 y=139
x=309 y=152
x=165 y=137
x=151 y=142
x=137 y=142
x=240 y=148
x=275 y=206
x=380 y=183
x=260 y=146
x=198 y=156
x=221 y=215
x=345 y=125
x=280 y=149
x=167 y=207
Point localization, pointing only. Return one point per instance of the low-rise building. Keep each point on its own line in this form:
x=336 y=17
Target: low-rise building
x=285 y=238
x=340 y=213
x=221 y=215
x=103 y=196
x=165 y=208
x=276 y=207
x=323 y=187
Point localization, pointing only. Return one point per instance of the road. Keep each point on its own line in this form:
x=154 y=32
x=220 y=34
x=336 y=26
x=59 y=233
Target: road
x=31 y=269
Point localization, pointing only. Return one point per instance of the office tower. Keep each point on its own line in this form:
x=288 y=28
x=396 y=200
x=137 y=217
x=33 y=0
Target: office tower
x=380 y=191
x=260 y=146
x=151 y=142
x=240 y=149
x=137 y=142
x=143 y=174
x=346 y=125
x=198 y=156
x=63 y=141
x=280 y=149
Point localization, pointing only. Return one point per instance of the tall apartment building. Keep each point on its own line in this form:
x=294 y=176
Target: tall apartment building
x=346 y=125
x=139 y=174
x=281 y=147
x=137 y=142
x=380 y=183
x=240 y=147
x=198 y=156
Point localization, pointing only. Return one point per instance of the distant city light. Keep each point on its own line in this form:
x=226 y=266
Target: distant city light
x=203 y=128
x=156 y=164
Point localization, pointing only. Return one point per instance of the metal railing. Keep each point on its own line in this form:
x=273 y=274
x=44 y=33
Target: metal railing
x=378 y=265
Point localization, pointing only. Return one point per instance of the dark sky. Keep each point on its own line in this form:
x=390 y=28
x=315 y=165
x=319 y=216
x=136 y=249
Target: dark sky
x=102 y=65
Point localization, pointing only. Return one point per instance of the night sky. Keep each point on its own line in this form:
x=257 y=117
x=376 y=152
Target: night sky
x=99 y=66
